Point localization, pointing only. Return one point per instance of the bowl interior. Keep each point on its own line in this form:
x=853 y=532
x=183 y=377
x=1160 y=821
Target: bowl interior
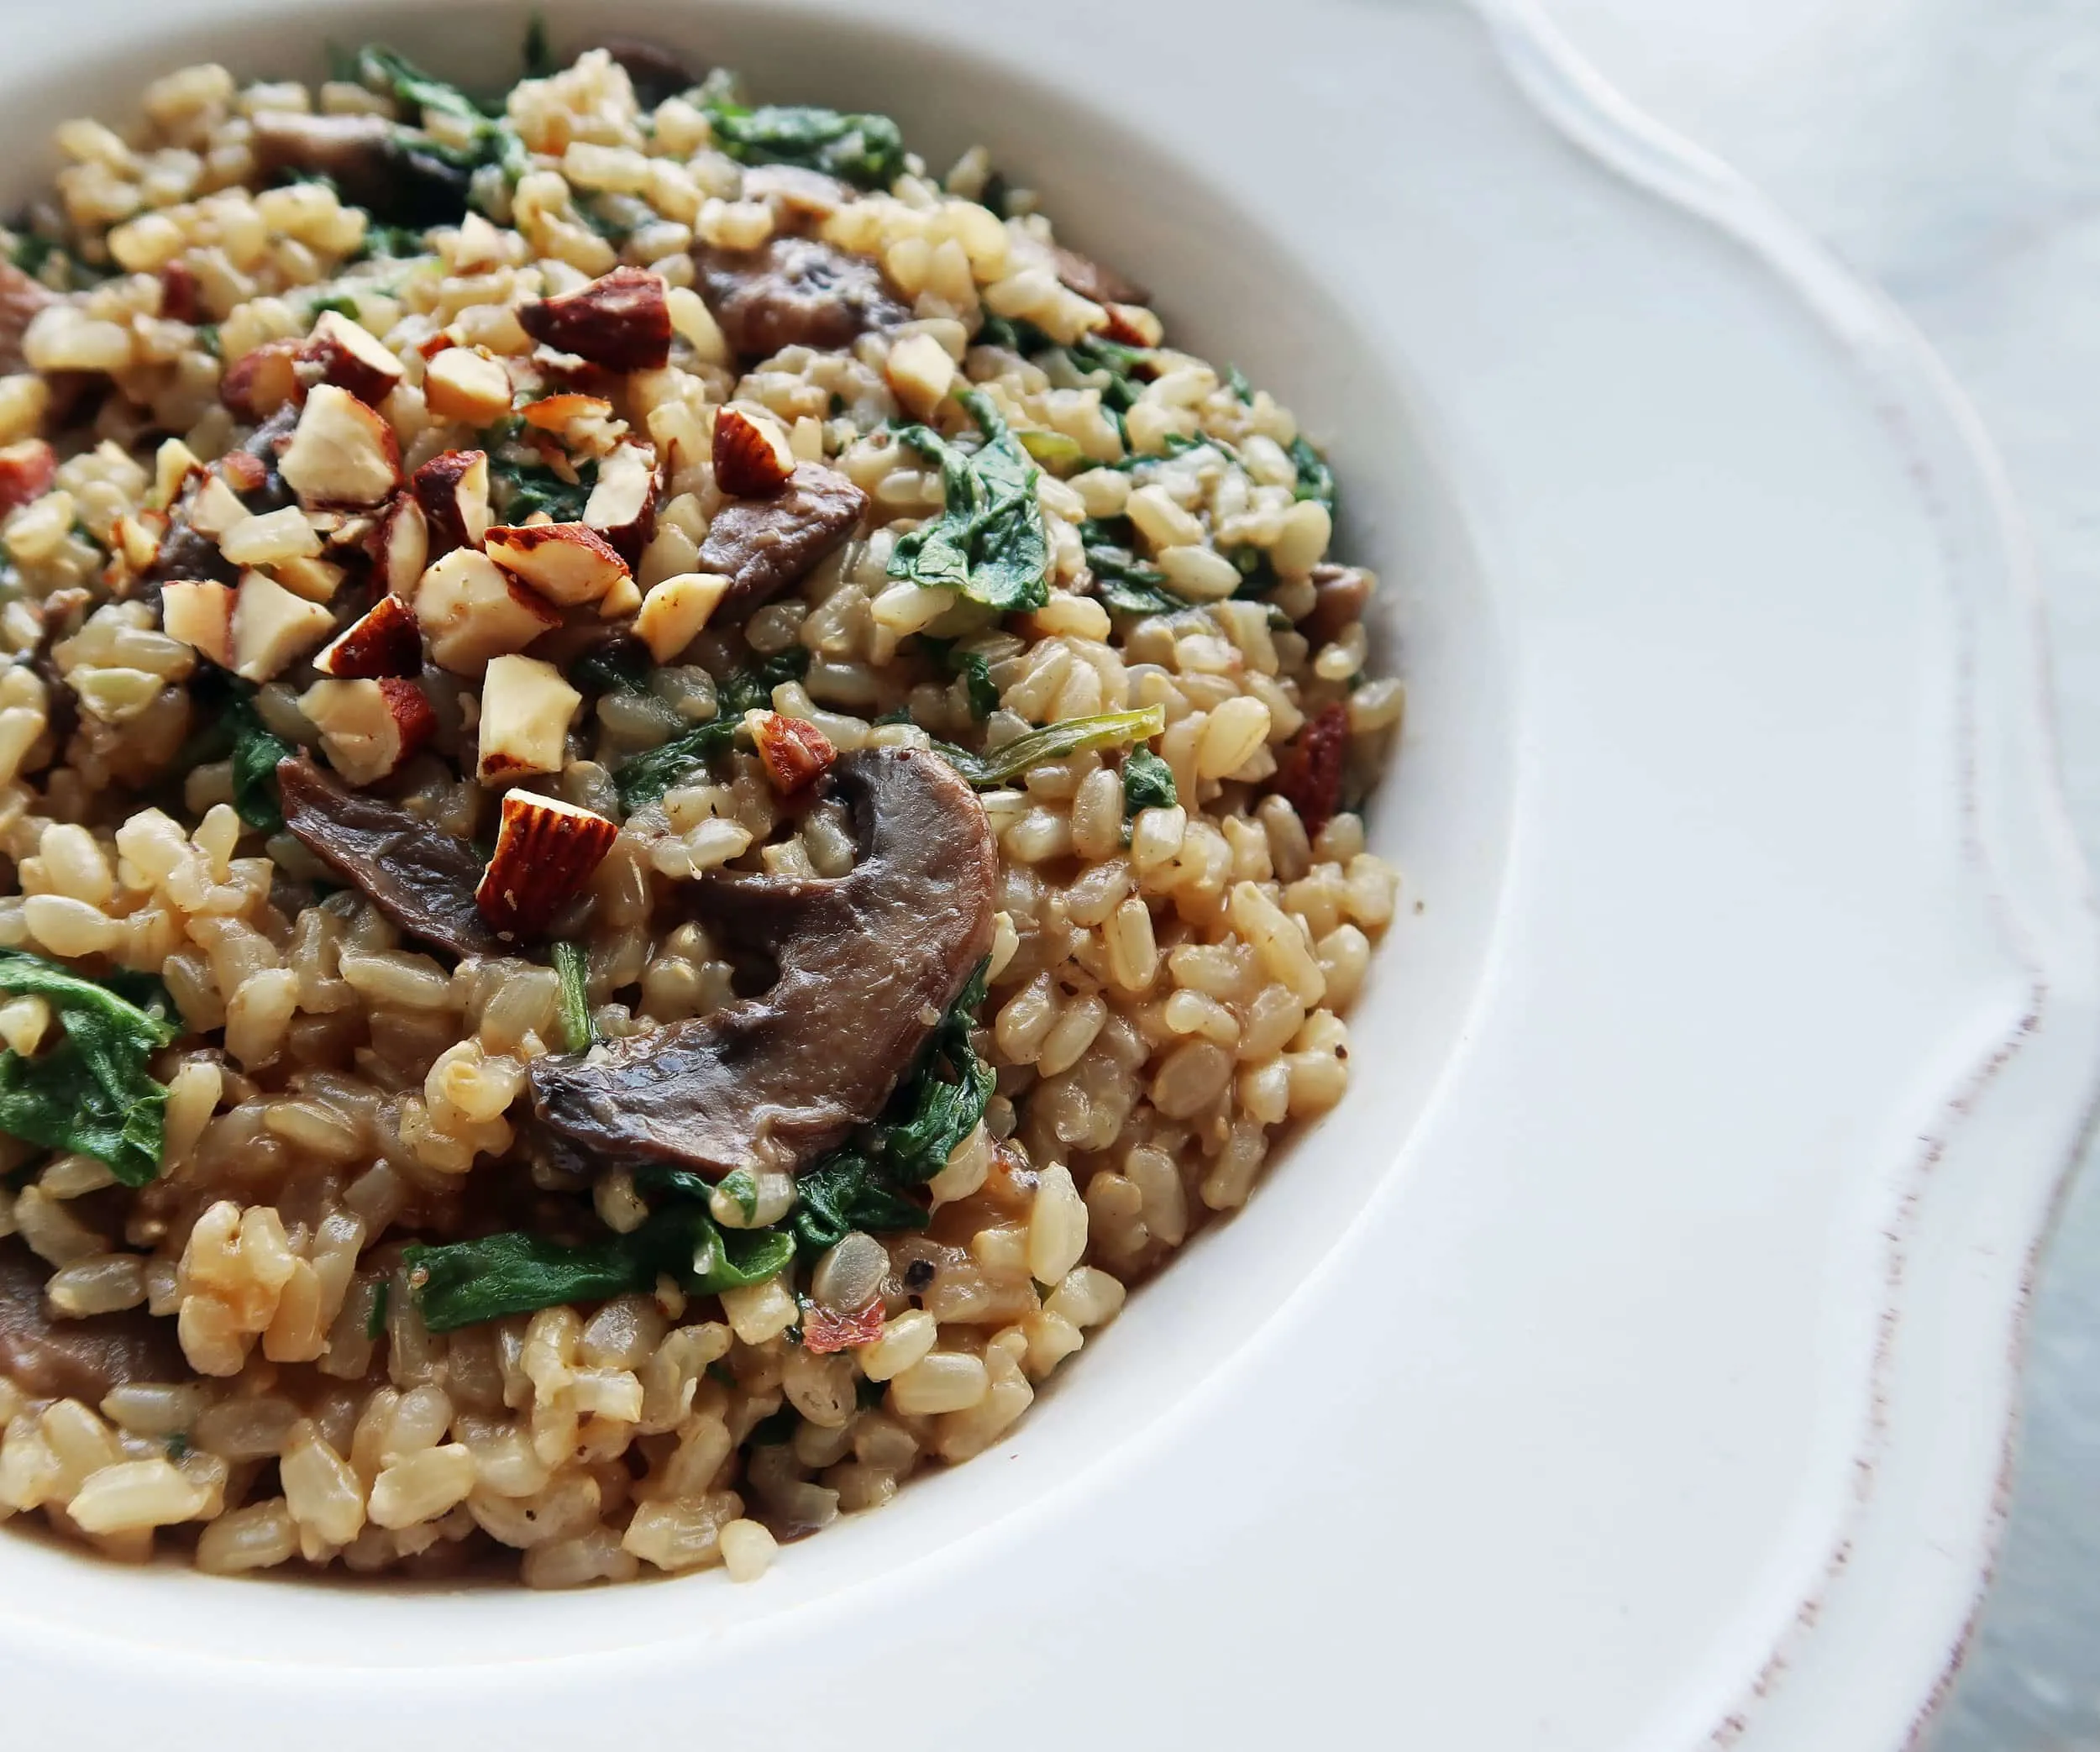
x=1230 y=291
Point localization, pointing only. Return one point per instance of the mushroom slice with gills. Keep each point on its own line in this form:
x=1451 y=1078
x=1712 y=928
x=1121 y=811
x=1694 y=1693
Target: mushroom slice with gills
x=868 y=962
x=419 y=876
x=1094 y=281
x=69 y=1358
x=762 y=546
x=795 y=292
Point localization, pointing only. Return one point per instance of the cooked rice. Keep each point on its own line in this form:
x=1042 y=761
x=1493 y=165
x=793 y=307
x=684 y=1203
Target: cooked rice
x=1166 y=995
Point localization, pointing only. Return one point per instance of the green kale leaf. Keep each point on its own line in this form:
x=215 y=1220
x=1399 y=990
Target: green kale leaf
x=990 y=543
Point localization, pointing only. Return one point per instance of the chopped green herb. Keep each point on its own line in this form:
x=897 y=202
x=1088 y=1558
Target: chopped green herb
x=91 y=1092
x=254 y=757
x=520 y=489
x=1106 y=730
x=208 y=338
x=750 y=689
x=578 y=1032
x=867 y=151
x=1127 y=583
x=465 y=1283
x=376 y=1315
x=177 y=1445
x=1257 y=576
x=990 y=543
x=539 y=53
x=395 y=242
x=494 y=140
x=975 y=670
x=642 y=778
x=1316 y=480
x=1148 y=782
x=775 y=1431
x=31 y=252
x=612 y=666
x=342 y=306
x=1236 y=380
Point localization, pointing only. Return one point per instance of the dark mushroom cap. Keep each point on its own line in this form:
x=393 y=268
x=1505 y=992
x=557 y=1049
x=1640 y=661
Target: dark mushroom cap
x=868 y=962
x=79 y=1359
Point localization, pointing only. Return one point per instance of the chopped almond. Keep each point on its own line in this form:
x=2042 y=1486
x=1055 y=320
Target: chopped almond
x=201 y=615
x=471 y=609
x=173 y=463
x=460 y=384
x=920 y=372
x=623 y=504
x=526 y=707
x=400 y=546
x=383 y=641
x=26 y=471
x=553 y=413
x=546 y=850
x=753 y=457
x=369 y=727
x=1134 y=326
x=622 y=599
x=274 y=535
x=262 y=380
x=242 y=472
x=272 y=628
x=342 y=452
x=796 y=753
x=621 y=322
x=215 y=508
x=137 y=536
x=566 y=563
x=452 y=489
x=351 y=358
x=674 y=611
x=316 y=579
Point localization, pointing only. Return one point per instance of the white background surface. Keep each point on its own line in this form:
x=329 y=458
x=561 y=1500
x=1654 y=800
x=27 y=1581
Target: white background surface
x=1950 y=150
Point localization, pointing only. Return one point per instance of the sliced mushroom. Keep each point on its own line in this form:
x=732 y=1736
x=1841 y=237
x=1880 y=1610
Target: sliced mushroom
x=795 y=292
x=654 y=71
x=420 y=877
x=74 y=1359
x=762 y=546
x=1094 y=280
x=374 y=164
x=868 y=962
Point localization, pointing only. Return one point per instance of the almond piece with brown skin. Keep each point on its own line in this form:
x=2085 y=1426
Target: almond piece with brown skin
x=400 y=546
x=382 y=642
x=452 y=489
x=621 y=322
x=369 y=726
x=471 y=609
x=546 y=850
x=675 y=610
x=795 y=752
x=526 y=707
x=272 y=628
x=201 y=615
x=342 y=452
x=752 y=457
x=351 y=358
x=553 y=413
x=568 y=564
x=622 y=505
x=263 y=379
x=26 y=471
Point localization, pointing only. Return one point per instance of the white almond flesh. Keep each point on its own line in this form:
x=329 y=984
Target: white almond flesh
x=274 y=535
x=202 y=616
x=351 y=358
x=674 y=611
x=316 y=579
x=567 y=563
x=921 y=371
x=460 y=384
x=526 y=707
x=369 y=727
x=216 y=508
x=623 y=504
x=342 y=452
x=622 y=599
x=401 y=546
x=471 y=610
x=272 y=628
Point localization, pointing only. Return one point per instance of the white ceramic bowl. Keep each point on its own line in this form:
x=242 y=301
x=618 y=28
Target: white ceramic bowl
x=1627 y=1363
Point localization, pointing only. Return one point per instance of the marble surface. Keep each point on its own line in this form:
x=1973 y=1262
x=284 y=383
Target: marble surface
x=1950 y=150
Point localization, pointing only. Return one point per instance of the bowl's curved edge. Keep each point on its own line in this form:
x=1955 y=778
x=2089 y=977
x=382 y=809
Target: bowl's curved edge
x=2016 y=826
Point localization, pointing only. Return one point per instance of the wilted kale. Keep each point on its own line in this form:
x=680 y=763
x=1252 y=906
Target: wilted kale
x=866 y=150
x=642 y=778
x=1148 y=782
x=520 y=489
x=570 y=963
x=254 y=758
x=1316 y=480
x=990 y=543
x=91 y=1092
x=1104 y=730
x=975 y=670
x=750 y=689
